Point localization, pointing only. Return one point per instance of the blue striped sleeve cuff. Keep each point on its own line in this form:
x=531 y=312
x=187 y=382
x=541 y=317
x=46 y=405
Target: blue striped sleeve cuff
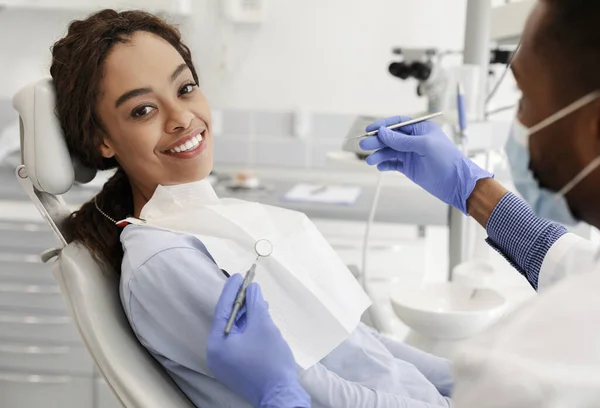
x=522 y=237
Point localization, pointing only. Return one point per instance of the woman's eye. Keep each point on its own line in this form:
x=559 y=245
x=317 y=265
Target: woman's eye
x=142 y=111
x=187 y=88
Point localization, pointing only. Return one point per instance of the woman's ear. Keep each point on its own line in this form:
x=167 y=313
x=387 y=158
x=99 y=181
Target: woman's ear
x=106 y=149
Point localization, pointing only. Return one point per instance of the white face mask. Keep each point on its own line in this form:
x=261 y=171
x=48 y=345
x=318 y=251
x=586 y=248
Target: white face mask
x=547 y=204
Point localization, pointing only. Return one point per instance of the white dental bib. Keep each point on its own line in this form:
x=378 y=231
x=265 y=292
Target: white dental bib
x=313 y=298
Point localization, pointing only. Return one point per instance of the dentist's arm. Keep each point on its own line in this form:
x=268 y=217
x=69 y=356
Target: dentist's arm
x=429 y=158
x=542 y=250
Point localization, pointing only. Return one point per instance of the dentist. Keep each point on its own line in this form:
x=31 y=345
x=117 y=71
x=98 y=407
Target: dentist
x=546 y=353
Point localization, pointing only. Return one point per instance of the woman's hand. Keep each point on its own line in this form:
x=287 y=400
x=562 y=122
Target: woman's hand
x=254 y=360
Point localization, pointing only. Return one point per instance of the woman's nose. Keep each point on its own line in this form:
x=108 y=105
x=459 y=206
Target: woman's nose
x=178 y=119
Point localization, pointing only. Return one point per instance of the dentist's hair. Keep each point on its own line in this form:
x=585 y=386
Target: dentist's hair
x=77 y=69
x=570 y=42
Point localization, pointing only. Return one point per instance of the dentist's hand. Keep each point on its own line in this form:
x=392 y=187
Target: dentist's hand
x=254 y=360
x=427 y=156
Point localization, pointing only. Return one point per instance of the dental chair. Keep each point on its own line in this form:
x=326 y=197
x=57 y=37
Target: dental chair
x=91 y=291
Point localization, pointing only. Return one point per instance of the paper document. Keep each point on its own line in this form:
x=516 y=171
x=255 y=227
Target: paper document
x=315 y=193
x=313 y=298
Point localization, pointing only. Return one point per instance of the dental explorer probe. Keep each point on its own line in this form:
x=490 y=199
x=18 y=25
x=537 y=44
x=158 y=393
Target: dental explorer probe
x=402 y=124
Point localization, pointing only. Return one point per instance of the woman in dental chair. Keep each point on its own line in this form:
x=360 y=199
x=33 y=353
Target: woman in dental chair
x=127 y=97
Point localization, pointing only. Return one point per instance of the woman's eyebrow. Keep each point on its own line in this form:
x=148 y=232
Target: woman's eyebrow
x=142 y=91
x=132 y=94
x=178 y=71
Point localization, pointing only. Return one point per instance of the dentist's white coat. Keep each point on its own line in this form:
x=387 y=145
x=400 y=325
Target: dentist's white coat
x=546 y=353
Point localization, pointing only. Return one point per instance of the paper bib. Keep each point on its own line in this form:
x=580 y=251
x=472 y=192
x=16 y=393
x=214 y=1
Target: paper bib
x=313 y=298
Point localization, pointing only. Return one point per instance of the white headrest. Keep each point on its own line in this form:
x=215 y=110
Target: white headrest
x=44 y=150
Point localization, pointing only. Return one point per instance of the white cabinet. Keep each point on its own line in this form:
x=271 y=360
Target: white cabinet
x=42 y=357
x=174 y=7
x=32 y=391
x=43 y=362
x=28 y=325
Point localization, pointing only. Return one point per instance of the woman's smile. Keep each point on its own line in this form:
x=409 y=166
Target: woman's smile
x=189 y=146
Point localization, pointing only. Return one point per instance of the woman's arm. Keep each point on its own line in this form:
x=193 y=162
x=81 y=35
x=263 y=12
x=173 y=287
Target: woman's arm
x=328 y=390
x=173 y=297
x=436 y=369
x=170 y=300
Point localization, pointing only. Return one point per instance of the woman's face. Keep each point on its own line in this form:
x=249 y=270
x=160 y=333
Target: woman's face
x=157 y=123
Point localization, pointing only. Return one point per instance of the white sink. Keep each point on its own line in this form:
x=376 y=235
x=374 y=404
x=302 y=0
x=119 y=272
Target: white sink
x=448 y=311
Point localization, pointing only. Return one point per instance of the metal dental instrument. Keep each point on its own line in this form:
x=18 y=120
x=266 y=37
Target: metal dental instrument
x=399 y=125
x=263 y=249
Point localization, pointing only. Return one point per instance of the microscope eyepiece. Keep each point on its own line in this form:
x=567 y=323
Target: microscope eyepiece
x=418 y=70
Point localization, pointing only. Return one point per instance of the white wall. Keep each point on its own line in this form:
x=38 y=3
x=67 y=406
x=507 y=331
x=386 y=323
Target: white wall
x=321 y=55
x=317 y=55
x=25 y=40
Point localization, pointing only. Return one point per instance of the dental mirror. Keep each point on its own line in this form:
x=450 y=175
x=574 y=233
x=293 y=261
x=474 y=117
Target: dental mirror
x=263 y=248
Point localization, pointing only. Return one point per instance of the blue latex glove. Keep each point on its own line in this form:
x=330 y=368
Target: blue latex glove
x=425 y=155
x=254 y=360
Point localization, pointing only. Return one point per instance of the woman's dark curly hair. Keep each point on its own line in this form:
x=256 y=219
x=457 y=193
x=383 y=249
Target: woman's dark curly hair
x=77 y=69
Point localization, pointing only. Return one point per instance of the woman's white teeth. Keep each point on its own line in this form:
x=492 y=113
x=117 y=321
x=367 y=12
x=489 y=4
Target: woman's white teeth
x=189 y=145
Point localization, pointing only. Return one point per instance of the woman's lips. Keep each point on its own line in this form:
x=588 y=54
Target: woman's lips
x=190 y=138
x=191 y=153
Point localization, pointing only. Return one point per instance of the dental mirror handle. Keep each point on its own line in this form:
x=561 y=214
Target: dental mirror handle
x=240 y=298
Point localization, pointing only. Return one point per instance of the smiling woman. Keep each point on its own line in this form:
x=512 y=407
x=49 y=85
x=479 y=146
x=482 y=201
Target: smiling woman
x=128 y=98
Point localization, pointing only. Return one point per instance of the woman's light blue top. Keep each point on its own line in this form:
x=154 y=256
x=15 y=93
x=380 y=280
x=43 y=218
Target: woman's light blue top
x=169 y=287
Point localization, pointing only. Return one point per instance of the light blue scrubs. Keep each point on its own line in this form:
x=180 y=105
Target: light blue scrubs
x=169 y=287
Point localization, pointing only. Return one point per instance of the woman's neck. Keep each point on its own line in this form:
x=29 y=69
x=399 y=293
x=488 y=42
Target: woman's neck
x=140 y=198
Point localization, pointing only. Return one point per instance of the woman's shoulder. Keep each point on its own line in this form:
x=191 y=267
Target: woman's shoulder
x=141 y=243
x=164 y=264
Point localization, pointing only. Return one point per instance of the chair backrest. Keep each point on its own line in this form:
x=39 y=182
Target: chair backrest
x=91 y=290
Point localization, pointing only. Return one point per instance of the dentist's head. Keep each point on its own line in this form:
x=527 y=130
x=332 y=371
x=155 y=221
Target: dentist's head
x=127 y=97
x=557 y=68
